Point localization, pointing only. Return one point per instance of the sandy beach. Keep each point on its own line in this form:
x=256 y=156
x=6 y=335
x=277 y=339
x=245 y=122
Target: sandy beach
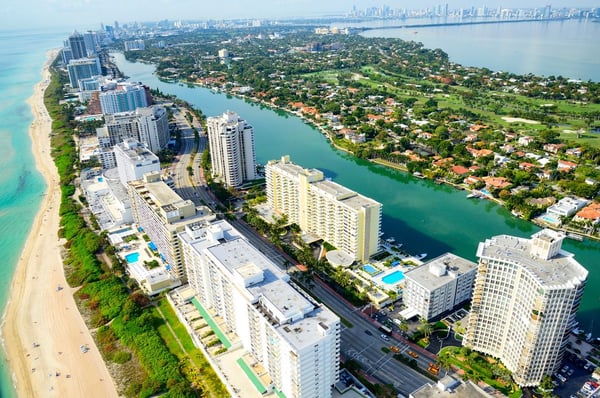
x=42 y=330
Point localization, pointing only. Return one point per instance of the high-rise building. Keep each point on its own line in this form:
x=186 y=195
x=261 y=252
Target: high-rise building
x=438 y=286
x=295 y=339
x=134 y=45
x=525 y=298
x=163 y=214
x=150 y=126
x=125 y=97
x=77 y=44
x=90 y=38
x=82 y=68
x=134 y=160
x=345 y=219
x=231 y=142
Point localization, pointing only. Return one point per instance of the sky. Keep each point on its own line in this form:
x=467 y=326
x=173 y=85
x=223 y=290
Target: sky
x=89 y=14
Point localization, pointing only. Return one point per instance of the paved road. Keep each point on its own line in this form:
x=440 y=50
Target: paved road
x=362 y=342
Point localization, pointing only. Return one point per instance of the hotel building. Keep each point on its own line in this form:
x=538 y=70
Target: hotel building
x=295 y=339
x=338 y=215
x=438 y=286
x=82 y=68
x=525 y=298
x=150 y=126
x=163 y=214
x=231 y=142
x=124 y=97
x=134 y=160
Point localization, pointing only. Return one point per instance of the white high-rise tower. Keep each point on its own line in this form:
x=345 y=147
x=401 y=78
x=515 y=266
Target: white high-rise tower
x=231 y=142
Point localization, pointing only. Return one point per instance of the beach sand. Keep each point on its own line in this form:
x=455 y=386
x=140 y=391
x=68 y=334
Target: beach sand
x=43 y=330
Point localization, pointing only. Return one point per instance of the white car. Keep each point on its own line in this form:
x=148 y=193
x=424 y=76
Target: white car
x=386 y=338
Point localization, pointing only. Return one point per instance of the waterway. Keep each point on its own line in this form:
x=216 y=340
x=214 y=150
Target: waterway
x=425 y=217
x=568 y=47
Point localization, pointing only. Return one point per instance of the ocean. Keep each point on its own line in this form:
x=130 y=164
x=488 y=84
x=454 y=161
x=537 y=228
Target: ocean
x=22 y=55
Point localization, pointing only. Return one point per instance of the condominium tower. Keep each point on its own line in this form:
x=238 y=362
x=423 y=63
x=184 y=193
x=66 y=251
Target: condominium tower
x=525 y=297
x=438 y=286
x=125 y=97
x=134 y=160
x=294 y=339
x=163 y=214
x=231 y=142
x=150 y=126
x=345 y=219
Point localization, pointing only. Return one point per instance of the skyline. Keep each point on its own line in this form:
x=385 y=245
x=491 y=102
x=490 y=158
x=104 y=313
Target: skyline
x=90 y=13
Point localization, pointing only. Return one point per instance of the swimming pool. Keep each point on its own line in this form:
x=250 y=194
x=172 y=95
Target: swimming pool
x=393 y=278
x=132 y=257
x=549 y=219
x=368 y=268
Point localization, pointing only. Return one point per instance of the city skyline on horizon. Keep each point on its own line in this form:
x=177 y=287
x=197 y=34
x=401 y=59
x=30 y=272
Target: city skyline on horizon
x=58 y=13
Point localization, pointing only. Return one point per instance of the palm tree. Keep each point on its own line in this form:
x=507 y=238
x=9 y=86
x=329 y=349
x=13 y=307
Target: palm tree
x=425 y=327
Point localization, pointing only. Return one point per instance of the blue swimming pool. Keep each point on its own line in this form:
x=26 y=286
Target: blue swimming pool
x=393 y=278
x=132 y=257
x=369 y=269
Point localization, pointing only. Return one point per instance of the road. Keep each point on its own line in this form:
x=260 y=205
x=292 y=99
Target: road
x=362 y=342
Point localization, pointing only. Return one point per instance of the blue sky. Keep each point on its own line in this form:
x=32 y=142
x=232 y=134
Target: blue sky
x=89 y=13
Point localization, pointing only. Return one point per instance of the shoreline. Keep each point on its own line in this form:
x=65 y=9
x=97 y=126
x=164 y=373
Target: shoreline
x=42 y=329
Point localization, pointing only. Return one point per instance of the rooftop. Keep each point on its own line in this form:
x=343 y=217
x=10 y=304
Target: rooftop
x=440 y=270
x=559 y=271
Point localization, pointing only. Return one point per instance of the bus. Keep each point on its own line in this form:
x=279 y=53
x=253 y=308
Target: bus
x=385 y=329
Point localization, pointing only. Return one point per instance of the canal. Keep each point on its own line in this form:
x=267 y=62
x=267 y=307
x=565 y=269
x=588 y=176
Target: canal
x=425 y=217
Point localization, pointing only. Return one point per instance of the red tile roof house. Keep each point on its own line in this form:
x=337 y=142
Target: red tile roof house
x=460 y=170
x=565 y=165
x=496 y=182
x=589 y=213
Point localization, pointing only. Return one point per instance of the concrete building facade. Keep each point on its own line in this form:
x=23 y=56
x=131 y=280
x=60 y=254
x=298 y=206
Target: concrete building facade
x=150 y=126
x=82 y=68
x=295 y=339
x=125 y=97
x=525 y=299
x=439 y=286
x=347 y=220
x=231 y=143
x=163 y=214
x=134 y=160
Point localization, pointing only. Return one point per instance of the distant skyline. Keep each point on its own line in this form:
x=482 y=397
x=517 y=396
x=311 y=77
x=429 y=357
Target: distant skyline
x=90 y=13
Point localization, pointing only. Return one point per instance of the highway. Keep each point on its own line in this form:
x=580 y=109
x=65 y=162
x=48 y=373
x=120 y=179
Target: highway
x=363 y=341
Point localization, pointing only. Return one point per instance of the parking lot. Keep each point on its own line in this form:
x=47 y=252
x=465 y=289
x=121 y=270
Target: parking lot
x=572 y=376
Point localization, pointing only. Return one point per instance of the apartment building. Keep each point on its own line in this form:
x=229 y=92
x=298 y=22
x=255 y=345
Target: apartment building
x=124 y=97
x=134 y=160
x=231 y=143
x=439 y=286
x=163 y=214
x=345 y=219
x=295 y=339
x=150 y=126
x=525 y=298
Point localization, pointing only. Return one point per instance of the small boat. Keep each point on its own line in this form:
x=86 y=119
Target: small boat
x=473 y=195
x=573 y=236
x=421 y=256
x=390 y=240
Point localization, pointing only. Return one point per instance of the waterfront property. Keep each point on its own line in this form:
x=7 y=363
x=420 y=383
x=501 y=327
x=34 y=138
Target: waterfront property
x=438 y=286
x=294 y=339
x=525 y=298
x=345 y=219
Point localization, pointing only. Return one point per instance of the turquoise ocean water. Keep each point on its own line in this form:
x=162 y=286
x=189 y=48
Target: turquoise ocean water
x=22 y=55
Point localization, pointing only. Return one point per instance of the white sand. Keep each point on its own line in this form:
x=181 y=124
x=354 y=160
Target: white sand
x=37 y=312
x=519 y=120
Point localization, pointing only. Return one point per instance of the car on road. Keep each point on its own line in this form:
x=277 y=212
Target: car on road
x=395 y=348
x=413 y=354
x=368 y=332
x=386 y=338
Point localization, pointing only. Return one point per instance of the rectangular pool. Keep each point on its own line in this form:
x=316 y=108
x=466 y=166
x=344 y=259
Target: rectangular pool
x=368 y=268
x=393 y=278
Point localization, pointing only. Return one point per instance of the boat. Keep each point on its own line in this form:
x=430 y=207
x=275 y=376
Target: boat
x=390 y=240
x=573 y=236
x=421 y=256
x=473 y=195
